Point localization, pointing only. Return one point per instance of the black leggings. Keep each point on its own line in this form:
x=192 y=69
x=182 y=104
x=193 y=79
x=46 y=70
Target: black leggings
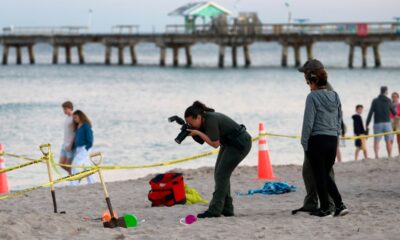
x=322 y=155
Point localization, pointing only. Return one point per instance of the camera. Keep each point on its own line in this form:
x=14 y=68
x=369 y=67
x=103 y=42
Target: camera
x=184 y=133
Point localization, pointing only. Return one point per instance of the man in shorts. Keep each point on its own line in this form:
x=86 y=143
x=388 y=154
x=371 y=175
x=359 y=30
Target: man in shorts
x=380 y=108
x=67 y=153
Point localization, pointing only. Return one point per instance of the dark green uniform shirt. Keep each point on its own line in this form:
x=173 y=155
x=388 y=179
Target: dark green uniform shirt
x=217 y=126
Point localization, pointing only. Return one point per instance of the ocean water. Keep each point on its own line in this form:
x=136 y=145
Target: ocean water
x=129 y=105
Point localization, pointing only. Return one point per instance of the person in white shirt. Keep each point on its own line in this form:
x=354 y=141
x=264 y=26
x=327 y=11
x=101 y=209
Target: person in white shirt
x=67 y=153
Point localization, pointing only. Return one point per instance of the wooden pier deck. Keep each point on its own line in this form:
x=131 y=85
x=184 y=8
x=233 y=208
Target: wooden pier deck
x=176 y=37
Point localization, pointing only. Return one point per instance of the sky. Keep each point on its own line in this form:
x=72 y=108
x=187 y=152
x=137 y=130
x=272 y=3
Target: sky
x=153 y=14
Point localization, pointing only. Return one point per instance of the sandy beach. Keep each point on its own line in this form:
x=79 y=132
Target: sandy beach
x=370 y=189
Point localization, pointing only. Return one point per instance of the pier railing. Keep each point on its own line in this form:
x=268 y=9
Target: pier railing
x=63 y=30
x=277 y=29
x=357 y=28
x=125 y=29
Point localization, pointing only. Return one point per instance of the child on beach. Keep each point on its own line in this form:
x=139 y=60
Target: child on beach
x=67 y=154
x=359 y=130
x=82 y=145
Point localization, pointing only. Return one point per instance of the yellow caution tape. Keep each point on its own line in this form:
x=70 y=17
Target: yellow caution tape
x=171 y=162
x=94 y=169
x=343 y=138
x=20 y=166
x=17 y=156
x=186 y=159
x=370 y=136
x=67 y=178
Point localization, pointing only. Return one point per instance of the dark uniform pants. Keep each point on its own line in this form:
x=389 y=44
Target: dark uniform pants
x=311 y=199
x=228 y=159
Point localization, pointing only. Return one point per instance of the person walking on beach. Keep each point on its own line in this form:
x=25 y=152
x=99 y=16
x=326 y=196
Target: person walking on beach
x=359 y=130
x=83 y=143
x=320 y=132
x=67 y=154
x=219 y=130
x=396 y=118
x=310 y=203
x=380 y=108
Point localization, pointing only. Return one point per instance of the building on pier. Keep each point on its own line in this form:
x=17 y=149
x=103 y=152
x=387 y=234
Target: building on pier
x=209 y=12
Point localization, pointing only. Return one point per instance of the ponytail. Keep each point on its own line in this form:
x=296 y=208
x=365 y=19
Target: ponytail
x=197 y=108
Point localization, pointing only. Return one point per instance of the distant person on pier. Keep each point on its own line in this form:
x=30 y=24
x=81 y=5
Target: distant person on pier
x=396 y=118
x=82 y=145
x=381 y=107
x=359 y=130
x=67 y=153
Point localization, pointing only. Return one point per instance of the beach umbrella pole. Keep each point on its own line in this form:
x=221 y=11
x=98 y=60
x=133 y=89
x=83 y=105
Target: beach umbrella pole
x=47 y=154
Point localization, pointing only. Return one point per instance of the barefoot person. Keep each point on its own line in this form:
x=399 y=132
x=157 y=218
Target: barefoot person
x=83 y=144
x=218 y=130
x=319 y=138
x=67 y=154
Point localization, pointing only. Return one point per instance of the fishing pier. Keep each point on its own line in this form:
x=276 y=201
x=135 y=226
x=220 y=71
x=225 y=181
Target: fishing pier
x=229 y=38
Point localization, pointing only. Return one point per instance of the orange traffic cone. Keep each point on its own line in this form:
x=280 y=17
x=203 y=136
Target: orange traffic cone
x=3 y=176
x=264 y=164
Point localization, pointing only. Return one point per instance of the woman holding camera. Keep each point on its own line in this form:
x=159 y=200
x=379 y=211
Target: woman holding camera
x=218 y=130
x=321 y=129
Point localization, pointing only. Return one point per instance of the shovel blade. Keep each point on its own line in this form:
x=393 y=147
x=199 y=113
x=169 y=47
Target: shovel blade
x=113 y=223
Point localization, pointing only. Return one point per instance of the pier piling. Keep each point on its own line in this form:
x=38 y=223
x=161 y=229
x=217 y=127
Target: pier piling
x=310 y=53
x=120 y=55
x=364 y=55
x=55 y=54
x=234 y=56
x=351 y=55
x=221 y=57
x=80 y=54
x=284 y=60
x=133 y=54
x=31 y=54
x=68 y=54
x=108 y=55
x=175 y=56
x=188 y=56
x=246 y=52
x=297 y=61
x=162 y=56
x=19 y=54
x=377 y=56
x=5 y=54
